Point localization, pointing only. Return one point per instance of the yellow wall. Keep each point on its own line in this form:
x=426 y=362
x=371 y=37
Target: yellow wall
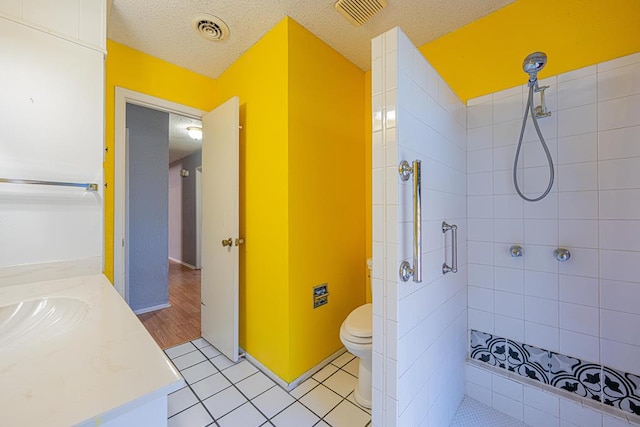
x=134 y=70
x=302 y=113
x=326 y=195
x=305 y=172
x=486 y=55
x=303 y=208
x=259 y=78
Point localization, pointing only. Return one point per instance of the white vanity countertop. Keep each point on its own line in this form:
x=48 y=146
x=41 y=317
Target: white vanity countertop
x=100 y=368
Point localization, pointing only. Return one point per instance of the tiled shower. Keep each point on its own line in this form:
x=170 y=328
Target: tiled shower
x=420 y=329
x=584 y=311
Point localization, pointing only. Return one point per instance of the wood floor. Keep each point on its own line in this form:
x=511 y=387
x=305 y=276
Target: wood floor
x=181 y=321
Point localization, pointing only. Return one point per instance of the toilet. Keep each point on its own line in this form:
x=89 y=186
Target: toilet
x=356 y=335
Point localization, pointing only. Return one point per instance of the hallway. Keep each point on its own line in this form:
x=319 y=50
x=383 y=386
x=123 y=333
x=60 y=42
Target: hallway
x=180 y=322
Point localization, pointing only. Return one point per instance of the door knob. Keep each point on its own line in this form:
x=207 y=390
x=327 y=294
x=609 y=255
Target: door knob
x=239 y=242
x=227 y=242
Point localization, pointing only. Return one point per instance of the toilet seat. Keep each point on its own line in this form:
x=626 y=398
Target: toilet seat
x=356 y=333
x=358 y=325
x=353 y=340
x=359 y=322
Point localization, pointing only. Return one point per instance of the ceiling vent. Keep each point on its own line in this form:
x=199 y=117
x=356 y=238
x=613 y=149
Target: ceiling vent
x=210 y=27
x=358 y=12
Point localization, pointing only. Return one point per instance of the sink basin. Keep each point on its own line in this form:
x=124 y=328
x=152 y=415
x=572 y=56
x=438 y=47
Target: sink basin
x=39 y=319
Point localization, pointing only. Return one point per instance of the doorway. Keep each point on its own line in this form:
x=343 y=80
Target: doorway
x=147 y=208
x=122 y=98
x=185 y=159
x=174 y=316
x=220 y=185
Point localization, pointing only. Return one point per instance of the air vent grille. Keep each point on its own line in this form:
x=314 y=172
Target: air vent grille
x=358 y=12
x=210 y=27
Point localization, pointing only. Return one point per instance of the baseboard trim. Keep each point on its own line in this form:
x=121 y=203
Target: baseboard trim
x=193 y=267
x=293 y=384
x=150 y=309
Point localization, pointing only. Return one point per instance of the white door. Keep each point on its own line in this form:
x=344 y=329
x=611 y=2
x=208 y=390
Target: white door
x=220 y=139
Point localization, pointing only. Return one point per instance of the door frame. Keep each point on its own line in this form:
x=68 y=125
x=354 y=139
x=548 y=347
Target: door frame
x=198 y=218
x=122 y=97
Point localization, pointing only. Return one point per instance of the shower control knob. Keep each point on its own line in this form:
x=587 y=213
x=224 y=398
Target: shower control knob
x=562 y=254
x=516 y=251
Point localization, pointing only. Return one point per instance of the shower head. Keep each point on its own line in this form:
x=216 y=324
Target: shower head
x=534 y=63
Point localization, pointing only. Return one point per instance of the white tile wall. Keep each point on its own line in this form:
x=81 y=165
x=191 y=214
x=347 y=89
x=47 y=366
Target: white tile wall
x=618 y=112
x=614 y=144
x=578 y=148
x=535 y=404
x=420 y=328
x=541 y=284
x=620 y=296
x=587 y=306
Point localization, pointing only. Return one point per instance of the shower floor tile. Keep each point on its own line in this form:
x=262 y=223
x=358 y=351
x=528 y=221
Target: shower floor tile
x=222 y=393
x=472 y=413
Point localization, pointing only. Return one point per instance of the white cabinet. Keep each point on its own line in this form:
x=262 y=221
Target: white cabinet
x=51 y=128
x=82 y=21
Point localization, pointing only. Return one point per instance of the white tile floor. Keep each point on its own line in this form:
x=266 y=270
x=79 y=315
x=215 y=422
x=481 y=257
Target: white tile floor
x=221 y=393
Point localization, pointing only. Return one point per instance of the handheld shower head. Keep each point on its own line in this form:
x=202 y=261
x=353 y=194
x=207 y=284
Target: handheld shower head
x=532 y=64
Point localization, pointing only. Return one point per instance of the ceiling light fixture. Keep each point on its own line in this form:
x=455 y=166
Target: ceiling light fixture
x=195 y=132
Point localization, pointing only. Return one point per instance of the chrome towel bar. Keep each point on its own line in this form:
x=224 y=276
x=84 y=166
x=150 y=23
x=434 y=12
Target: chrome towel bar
x=86 y=186
x=454 y=248
x=406 y=271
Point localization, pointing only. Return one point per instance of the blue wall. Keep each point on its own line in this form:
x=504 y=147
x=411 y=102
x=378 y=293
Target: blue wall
x=148 y=215
x=189 y=233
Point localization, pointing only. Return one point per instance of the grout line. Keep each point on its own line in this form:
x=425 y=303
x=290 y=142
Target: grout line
x=203 y=405
x=250 y=401
x=183 y=410
x=268 y=419
x=344 y=370
x=351 y=403
x=215 y=422
x=284 y=409
x=356 y=405
x=199 y=402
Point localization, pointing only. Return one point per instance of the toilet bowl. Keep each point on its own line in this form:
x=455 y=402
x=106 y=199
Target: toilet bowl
x=357 y=337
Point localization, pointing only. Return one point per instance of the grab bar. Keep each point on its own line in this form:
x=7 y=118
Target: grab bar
x=454 y=248
x=406 y=270
x=86 y=186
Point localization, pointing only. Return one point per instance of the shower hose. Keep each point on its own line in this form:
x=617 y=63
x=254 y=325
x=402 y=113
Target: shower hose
x=544 y=146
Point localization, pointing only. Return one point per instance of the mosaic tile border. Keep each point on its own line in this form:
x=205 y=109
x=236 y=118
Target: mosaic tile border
x=602 y=384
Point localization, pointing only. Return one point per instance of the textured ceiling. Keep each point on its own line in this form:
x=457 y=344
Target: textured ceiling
x=180 y=143
x=162 y=28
